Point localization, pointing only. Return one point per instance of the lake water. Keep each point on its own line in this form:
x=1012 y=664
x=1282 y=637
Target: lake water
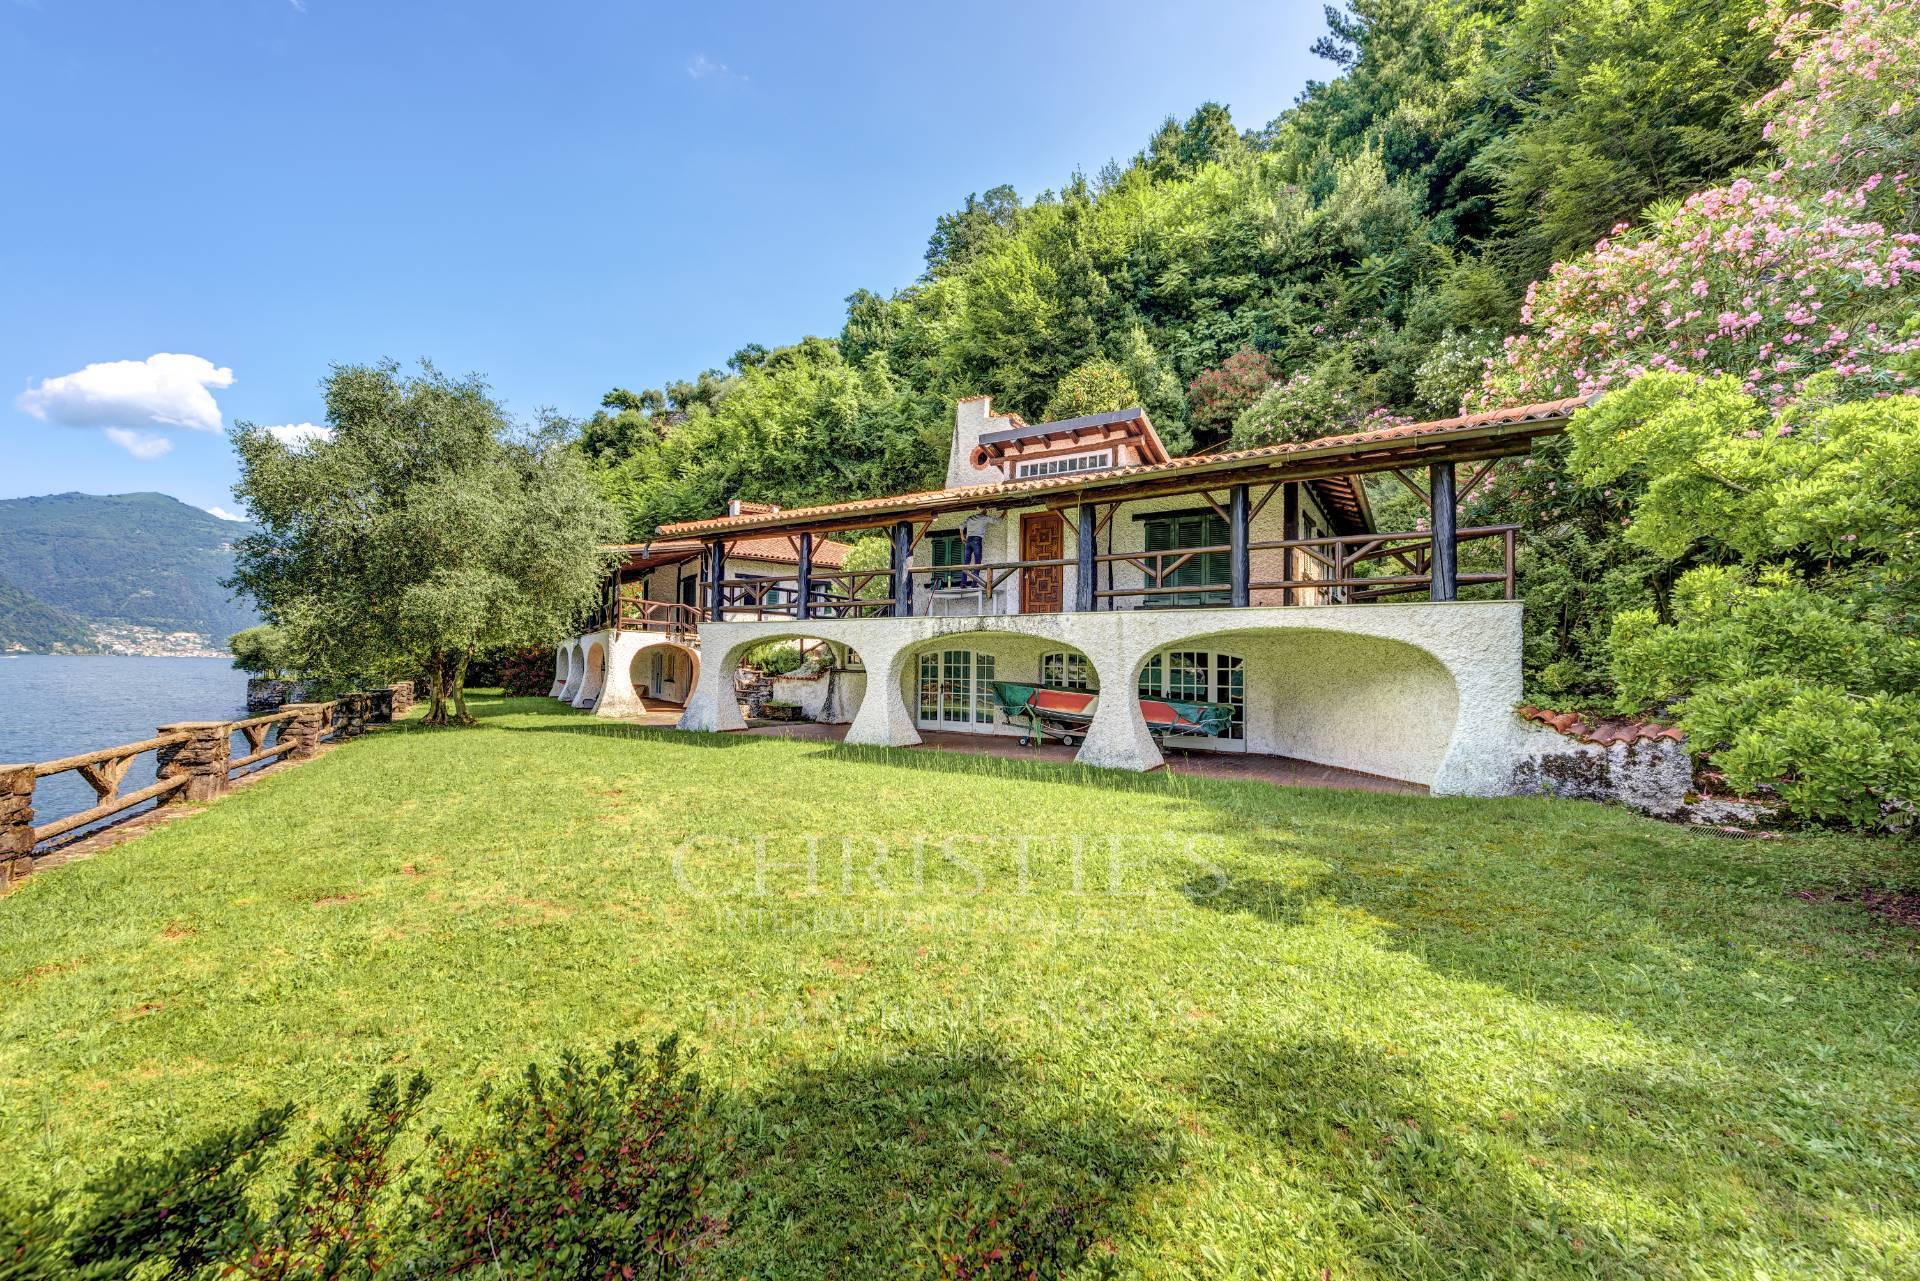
x=54 y=705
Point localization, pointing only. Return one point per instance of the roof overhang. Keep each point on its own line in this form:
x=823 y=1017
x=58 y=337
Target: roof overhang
x=1471 y=438
x=1088 y=431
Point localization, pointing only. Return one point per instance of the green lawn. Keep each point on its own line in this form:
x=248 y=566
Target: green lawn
x=1285 y=1033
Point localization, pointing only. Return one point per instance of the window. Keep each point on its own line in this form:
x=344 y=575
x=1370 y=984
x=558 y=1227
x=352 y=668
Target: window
x=1199 y=676
x=948 y=548
x=955 y=689
x=1063 y=466
x=1174 y=531
x=1066 y=671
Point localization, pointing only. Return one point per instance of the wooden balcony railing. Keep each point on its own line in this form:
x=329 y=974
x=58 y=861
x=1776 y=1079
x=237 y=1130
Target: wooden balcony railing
x=658 y=616
x=1360 y=567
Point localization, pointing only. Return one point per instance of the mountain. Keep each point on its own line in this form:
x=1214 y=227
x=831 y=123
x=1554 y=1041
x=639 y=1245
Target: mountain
x=117 y=561
x=27 y=625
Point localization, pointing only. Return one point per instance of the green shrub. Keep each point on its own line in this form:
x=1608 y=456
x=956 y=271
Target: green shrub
x=592 y=1172
x=775 y=658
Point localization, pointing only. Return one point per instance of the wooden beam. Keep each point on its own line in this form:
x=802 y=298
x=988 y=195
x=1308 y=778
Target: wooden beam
x=803 y=551
x=1426 y=499
x=1446 y=541
x=1085 y=574
x=1238 y=525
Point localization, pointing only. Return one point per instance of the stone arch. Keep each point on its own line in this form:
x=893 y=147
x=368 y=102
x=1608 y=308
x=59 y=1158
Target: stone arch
x=833 y=696
x=1017 y=656
x=678 y=684
x=593 y=674
x=562 y=659
x=576 y=672
x=1372 y=703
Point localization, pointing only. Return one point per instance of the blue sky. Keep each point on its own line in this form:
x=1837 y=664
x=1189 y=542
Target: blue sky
x=565 y=197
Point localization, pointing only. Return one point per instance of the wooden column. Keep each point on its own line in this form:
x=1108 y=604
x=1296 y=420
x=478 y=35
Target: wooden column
x=1289 y=530
x=1086 y=578
x=716 y=574
x=1238 y=537
x=1446 y=545
x=903 y=569
x=803 y=608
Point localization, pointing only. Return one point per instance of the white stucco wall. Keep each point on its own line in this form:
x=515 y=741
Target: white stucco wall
x=1367 y=682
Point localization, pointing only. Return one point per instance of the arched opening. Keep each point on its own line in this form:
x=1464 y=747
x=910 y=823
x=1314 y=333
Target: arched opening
x=1356 y=702
x=970 y=683
x=798 y=678
x=664 y=673
x=592 y=676
x=562 y=668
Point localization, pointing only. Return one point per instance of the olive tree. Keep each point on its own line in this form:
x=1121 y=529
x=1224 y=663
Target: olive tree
x=423 y=528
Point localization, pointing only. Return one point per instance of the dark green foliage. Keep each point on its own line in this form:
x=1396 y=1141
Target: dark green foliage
x=260 y=650
x=592 y=1172
x=141 y=559
x=178 y=1214
x=522 y=672
x=33 y=627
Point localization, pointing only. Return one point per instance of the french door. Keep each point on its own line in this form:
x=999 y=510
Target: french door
x=1201 y=676
x=954 y=690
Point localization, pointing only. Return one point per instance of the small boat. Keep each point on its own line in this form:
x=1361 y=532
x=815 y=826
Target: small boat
x=1066 y=713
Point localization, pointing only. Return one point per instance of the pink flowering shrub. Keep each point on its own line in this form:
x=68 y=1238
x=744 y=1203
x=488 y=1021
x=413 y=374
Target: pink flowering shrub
x=1744 y=280
x=1768 y=279
x=1847 y=117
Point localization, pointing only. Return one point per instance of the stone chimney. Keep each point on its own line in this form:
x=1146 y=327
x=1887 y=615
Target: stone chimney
x=972 y=419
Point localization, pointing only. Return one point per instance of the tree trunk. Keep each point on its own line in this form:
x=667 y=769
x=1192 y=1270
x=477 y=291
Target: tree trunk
x=436 y=689
x=459 y=686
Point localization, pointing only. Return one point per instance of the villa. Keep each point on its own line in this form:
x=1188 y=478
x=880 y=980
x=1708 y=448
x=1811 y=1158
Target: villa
x=1078 y=556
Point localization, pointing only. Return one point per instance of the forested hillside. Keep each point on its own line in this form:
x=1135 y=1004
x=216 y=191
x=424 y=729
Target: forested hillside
x=28 y=626
x=1368 y=249
x=145 y=560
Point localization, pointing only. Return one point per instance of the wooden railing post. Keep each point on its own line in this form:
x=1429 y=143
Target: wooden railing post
x=202 y=757
x=16 y=822
x=1507 y=551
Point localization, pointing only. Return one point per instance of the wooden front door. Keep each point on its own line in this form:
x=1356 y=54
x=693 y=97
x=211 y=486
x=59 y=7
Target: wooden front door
x=1042 y=538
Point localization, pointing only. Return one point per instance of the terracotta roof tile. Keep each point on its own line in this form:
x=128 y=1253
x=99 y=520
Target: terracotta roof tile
x=1605 y=732
x=1544 y=411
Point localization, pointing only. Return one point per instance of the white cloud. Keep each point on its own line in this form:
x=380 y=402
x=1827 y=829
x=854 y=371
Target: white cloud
x=299 y=6
x=701 y=67
x=298 y=435
x=144 y=445
x=164 y=390
x=222 y=513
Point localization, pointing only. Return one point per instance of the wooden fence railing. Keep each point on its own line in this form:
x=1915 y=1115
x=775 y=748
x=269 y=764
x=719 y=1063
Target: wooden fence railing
x=193 y=761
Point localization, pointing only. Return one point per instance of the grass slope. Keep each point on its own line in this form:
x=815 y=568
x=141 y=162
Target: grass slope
x=1366 y=1035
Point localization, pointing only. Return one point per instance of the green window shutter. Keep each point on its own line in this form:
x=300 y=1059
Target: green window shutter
x=1172 y=533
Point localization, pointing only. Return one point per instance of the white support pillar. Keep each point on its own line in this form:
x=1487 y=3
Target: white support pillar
x=884 y=719
x=713 y=707
x=1118 y=737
